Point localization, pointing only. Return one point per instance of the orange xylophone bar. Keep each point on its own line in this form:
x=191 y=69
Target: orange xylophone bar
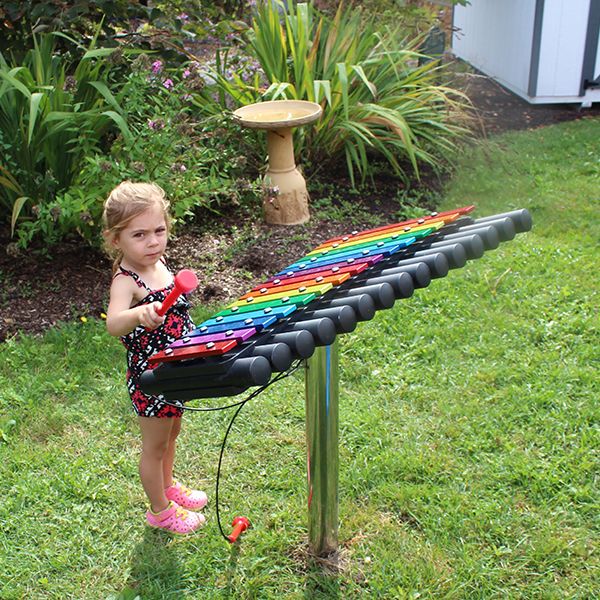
x=362 y=286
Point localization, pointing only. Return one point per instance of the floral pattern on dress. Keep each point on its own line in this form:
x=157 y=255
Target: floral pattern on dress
x=142 y=344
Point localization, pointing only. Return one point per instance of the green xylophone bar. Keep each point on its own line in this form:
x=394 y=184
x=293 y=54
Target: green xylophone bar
x=276 y=294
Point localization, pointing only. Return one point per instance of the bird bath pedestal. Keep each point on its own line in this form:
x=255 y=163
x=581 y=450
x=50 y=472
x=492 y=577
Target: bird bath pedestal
x=290 y=205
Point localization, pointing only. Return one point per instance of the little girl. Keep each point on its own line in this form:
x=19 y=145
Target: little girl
x=136 y=224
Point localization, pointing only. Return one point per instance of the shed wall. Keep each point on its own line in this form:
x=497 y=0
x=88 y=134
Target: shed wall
x=495 y=37
x=562 y=47
x=541 y=60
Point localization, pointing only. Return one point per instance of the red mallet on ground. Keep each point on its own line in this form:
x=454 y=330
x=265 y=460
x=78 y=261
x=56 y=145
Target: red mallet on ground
x=185 y=282
x=240 y=524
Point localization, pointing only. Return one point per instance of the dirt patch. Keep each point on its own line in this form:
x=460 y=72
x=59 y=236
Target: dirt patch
x=38 y=291
x=500 y=110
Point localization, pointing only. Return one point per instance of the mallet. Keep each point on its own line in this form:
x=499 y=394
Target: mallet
x=185 y=282
x=240 y=524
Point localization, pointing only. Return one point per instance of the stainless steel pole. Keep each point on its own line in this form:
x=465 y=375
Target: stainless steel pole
x=322 y=376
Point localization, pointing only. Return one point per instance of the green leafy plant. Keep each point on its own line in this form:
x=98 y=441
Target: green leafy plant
x=69 y=212
x=376 y=99
x=198 y=161
x=170 y=28
x=53 y=111
x=21 y=20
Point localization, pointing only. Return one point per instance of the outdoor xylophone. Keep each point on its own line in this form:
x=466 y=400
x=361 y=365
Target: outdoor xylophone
x=340 y=283
x=297 y=314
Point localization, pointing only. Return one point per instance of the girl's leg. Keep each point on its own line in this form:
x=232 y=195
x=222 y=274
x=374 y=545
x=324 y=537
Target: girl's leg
x=156 y=436
x=169 y=458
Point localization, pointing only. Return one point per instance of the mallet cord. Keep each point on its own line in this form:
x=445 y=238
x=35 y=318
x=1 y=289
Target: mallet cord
x=239 y=406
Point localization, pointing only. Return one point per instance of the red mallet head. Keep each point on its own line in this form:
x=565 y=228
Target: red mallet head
x=185 y=282
x=240 y=524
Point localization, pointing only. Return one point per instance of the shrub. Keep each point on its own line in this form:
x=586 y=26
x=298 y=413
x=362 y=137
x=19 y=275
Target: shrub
x=199 y=163
x=171 y=27
x=49 y=120
x=376 y=98
x=20 y=20
x=69 y=212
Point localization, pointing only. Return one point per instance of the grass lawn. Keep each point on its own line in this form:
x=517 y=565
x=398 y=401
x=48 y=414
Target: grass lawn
x=468 y=445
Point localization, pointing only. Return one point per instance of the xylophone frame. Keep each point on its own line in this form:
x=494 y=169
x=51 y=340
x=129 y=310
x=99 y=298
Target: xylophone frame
x=315 y=341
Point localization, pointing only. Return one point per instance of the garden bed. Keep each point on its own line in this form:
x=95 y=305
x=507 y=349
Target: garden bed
x=233 y=250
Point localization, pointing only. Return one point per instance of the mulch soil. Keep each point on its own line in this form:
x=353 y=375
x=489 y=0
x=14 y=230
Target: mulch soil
x=39 y=291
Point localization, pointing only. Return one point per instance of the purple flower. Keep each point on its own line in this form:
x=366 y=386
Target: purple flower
x=157 y=66
x=183 y=17
x=152 y=124
x=168 y=83
x=186 y=73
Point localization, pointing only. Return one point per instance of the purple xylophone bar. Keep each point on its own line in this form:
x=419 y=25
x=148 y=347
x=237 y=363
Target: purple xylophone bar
x=206 y=367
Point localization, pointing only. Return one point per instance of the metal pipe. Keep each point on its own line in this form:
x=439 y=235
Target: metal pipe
x=322 y=428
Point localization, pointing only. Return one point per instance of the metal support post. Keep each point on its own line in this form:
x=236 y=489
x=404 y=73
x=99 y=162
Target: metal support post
x=322 y=429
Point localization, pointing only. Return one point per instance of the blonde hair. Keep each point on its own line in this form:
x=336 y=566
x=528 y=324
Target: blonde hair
x=124 y=203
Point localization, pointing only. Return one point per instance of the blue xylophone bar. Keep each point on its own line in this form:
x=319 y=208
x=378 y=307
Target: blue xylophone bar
x=285 y=331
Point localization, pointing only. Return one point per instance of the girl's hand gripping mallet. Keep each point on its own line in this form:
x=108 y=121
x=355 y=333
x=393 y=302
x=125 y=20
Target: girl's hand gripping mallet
x=240 y=524
x=185 y=282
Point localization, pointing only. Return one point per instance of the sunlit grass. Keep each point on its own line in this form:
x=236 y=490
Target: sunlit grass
x=468 y=443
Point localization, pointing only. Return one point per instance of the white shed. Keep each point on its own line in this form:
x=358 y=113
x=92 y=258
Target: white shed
x=546 y=51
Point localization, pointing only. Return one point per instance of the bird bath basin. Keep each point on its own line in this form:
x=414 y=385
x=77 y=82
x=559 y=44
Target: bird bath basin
x=278 y=117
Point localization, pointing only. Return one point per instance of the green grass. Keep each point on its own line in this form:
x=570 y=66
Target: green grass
x=468 y=444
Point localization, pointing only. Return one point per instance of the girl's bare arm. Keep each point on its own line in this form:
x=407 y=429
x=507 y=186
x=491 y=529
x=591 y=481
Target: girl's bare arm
x=120 y=317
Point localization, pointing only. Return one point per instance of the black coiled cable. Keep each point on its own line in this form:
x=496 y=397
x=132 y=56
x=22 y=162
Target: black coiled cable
x=239 y=406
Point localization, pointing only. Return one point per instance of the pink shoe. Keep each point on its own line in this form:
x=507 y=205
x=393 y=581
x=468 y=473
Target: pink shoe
x=182 y=495
x=175 y=519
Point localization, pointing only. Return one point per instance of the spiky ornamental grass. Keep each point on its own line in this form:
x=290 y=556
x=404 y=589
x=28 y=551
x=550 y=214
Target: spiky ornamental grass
x=53 y=110
x=378 y=101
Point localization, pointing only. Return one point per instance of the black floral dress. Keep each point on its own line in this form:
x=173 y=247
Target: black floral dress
x=142 y=344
